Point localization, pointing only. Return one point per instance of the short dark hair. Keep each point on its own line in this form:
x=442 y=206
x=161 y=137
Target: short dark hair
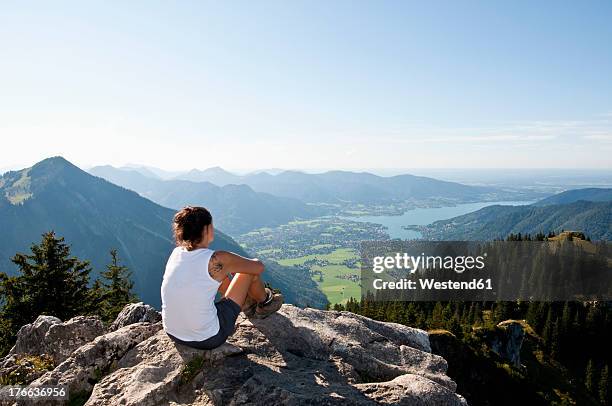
x=188 y=225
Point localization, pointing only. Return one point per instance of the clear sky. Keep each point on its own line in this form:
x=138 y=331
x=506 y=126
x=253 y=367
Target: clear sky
x=307 y=84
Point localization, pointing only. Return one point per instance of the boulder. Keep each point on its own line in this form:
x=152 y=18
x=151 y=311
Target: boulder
x=92 y=361
x=48 y=335
x=152 y=371
x=31 y=337
x=63 y=338
x=135 y=313
x=296 y=356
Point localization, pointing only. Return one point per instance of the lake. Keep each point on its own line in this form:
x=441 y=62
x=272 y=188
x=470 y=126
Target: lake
x=423 y=217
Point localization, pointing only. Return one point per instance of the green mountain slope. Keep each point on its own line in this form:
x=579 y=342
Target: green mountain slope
x=236 y=208
x=575 y=195
x=592 y=218
x=95 y=216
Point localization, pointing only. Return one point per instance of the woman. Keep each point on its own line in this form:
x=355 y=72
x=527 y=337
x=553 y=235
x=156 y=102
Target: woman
x=195 y=273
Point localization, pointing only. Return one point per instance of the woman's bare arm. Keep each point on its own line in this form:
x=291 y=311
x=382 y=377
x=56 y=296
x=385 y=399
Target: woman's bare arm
x=223 y=263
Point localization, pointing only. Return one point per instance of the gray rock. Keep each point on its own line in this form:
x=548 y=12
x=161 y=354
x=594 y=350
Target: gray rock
x=153 y=370
x=63 y=338
x=410 y=390
x=297 y=356
x=90 y=362
x=48 y=335
x=508 y=341
x=30 y=337
x=135 y=313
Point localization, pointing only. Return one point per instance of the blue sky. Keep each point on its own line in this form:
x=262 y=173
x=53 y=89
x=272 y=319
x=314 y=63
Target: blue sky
x=312 y=84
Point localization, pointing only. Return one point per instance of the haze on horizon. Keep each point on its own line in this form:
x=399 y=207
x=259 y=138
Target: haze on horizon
x=313 y=85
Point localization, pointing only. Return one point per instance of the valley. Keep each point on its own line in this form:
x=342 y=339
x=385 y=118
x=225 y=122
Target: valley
x=327 y=248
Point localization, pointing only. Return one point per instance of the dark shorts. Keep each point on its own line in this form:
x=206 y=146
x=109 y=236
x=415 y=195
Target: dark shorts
x=227 y=312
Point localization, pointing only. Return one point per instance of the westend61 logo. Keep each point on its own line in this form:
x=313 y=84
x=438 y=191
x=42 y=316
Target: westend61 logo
x=488 y=271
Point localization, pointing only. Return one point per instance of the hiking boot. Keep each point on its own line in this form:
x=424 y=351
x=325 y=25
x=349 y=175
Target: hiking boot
x=272 y=304
x=249 y=306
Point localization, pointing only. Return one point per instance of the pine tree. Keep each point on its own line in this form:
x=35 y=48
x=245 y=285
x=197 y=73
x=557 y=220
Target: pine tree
x=116 y=289
x=50 y=281
x=547 y=332
x=555 y=344
x=454 y=326
x=603 y=386
x=437 y=318
x=589 y=377
x=532 y=314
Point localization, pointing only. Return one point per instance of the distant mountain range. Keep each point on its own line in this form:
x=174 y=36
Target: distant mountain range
x=216 y=175
x=586 y=210
x=95 y=216
x=357 y=187
x=236 y=208
x=153 y=172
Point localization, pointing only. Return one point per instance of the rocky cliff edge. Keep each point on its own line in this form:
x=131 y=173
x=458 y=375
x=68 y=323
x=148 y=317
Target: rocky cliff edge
x=297 y=356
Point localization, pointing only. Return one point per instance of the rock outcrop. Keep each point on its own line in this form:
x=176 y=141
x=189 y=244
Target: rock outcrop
x=296 y=356
x=31 y=337
x=48 y=335
x=135 y=313
x=507 y=344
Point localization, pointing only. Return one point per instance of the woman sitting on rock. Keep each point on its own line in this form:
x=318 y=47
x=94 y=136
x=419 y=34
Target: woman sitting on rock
x=195 y=273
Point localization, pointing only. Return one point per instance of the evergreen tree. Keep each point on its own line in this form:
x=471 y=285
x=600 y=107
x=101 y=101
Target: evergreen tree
x=555 y=345
x=437 y=318
x=589 y=377
x=116 y=289
x=603 y=386
x=50 y=281
x=547 y=332
x=533 y=314
x=454 y=326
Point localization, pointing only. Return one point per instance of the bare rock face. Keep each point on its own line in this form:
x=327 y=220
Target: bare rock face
x=153 y=371
x=507 y=343
x=296 y=356
x=31 y=337
x=136 y=313
x=63 y=338
x=89 y=363
x=48 y=335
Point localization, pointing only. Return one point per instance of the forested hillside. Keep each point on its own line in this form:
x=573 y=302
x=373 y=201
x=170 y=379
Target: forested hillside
x=494 y=222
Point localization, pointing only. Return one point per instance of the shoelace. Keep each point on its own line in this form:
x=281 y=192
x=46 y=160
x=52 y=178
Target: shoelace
x=269 y=298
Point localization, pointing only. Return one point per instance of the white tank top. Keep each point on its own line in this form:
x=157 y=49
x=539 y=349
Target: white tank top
x=188 y=295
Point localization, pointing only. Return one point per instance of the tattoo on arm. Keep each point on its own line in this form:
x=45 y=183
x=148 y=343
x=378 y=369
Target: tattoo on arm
x=215 y=268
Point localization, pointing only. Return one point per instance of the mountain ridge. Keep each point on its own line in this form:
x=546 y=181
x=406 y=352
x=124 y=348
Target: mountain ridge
x=362 y=187
x=236 y=208
x=574 y=195
x=95 y=216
